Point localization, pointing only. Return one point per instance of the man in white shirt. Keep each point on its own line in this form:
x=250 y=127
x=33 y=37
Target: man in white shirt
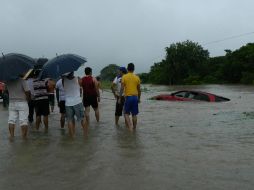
x=73 y=103
x=19 y=94
x=116 y=88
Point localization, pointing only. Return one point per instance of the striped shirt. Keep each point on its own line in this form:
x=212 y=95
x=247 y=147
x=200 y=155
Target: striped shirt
x=40 y=89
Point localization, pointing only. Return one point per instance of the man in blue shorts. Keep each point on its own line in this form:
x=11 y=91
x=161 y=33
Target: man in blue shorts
x=132 y=93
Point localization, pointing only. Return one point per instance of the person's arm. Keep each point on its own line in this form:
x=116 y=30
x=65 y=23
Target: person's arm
x=80 y=81
x=98 y=84
x=80 y=84
x=113 y=86
x=121 y=90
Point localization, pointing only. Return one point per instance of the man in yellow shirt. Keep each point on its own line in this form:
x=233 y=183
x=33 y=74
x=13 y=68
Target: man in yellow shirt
x=132 y=93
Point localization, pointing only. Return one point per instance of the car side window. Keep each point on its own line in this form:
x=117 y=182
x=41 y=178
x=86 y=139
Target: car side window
x=190 y=95
x=180 y=94
x=203 y=97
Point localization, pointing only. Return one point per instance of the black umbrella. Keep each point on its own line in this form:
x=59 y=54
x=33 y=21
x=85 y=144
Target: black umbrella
x=61 y=64
x=13 y=65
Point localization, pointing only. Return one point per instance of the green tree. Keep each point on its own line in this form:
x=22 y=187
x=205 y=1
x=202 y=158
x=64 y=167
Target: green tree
x=109 y=72
x=239 y=65
x=188 y=63
x=184 y=60
x=214 y=72
x=144 y=77
x=158 y=73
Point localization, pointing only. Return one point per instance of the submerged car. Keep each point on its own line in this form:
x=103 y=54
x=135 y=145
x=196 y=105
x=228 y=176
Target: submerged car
x=190 y=96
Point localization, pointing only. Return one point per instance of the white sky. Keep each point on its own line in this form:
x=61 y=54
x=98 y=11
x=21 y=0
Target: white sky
x=121 y=31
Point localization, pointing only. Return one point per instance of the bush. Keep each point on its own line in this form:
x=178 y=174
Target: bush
x=193 y=80
x=247 y=78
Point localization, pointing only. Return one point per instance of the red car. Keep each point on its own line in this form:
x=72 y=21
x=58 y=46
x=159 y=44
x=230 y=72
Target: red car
x=190 y=96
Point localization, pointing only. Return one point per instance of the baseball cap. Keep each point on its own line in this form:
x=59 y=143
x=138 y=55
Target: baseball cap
x=123 y=69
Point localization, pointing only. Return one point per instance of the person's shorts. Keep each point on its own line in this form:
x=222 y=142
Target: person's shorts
x=62 y=107
x=42 y=107
x=18 y=111
x=131 y=105
x=119 y=107
x=77 y=110
x=90 y=101
x=52 y=99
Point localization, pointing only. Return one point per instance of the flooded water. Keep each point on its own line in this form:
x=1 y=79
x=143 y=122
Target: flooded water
x=177 y=145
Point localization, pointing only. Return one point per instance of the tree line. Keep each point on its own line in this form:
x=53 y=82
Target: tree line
x=189 y=63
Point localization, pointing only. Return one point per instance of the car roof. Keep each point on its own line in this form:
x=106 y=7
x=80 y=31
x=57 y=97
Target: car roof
x=195 y=91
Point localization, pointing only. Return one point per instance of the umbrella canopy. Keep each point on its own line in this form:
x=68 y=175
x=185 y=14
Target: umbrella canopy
x=13 y=65
x=61 y=64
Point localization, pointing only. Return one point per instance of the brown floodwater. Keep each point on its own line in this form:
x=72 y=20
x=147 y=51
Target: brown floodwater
x=177 y=145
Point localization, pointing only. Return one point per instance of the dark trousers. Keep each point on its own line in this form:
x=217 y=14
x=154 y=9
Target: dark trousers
x=31 y=104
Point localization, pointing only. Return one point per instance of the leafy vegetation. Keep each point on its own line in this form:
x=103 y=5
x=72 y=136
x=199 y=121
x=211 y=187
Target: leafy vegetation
x=109 y=72
x=188 y=63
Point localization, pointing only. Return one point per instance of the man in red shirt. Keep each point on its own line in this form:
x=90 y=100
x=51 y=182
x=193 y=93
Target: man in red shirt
x=91 y=94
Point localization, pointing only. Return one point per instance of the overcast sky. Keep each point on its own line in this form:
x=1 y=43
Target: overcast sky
x=122 y=31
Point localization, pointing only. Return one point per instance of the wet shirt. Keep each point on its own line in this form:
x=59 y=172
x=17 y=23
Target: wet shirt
x=130 y=82
x=118 y=82
x=40 y=89
x=89 y=86
x=17 y=89
x=72 y=92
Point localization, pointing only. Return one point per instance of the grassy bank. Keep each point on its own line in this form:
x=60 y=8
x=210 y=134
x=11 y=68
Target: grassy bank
x=105 y=84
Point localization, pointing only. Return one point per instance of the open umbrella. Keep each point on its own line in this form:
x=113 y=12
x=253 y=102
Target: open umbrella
x=13 y=65
x=61 y=64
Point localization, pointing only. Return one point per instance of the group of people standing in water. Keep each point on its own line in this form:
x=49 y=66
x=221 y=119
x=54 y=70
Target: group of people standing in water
x=74 y=97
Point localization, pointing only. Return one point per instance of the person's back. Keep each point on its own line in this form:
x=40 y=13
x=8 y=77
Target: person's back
x=72 y=91
x=131 y=81
x=40 y=89
x=88 y=85
x=16 y=90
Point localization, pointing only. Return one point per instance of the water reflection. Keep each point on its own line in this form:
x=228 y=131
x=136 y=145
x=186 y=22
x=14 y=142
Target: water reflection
x=177 y=145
